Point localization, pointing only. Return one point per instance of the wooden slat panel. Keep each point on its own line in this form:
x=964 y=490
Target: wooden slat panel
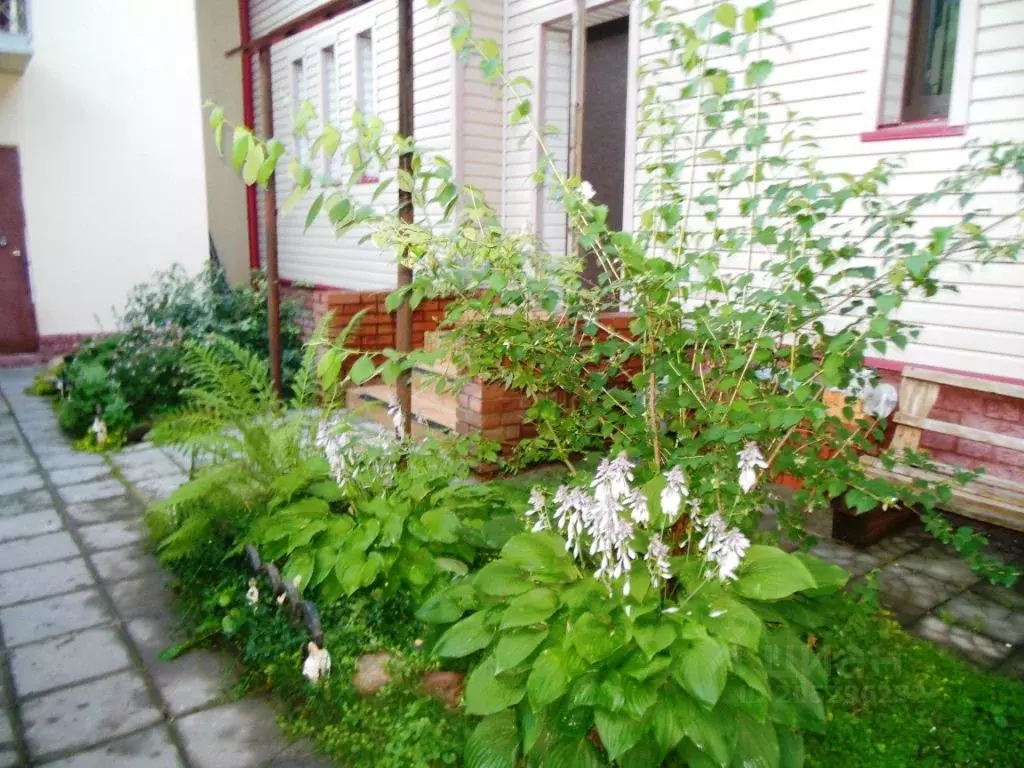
x=965 y=382
x=958 y=430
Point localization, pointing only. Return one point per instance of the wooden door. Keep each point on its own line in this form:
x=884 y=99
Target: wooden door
x=17 y=316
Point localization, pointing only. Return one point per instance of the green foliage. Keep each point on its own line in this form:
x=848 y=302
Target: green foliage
x=714 y=671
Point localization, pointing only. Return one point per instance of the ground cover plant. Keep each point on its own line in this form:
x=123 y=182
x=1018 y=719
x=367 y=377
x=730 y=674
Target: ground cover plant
x=122 y=383
x=632 y=615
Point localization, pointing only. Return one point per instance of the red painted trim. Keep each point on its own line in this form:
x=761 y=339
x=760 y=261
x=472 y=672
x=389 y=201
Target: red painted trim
x=899 y=367
x=312 y=287
x=923 y=129
x=249 y=116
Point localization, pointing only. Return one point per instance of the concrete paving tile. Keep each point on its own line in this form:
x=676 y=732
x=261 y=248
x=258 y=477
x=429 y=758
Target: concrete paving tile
x=21 y=553
x=152 y=748
x=100 y=489
x=141 y=473
x=113 y=535
x=128 y=562
x=236 y=735
x=856 y=562
x=26 y=501
x=12 y=485
x=143 y=455
x=940 y=563
x=152 y=635
x=40 y=581
x=65 y=457
x=68 y=659
x=53 y=616
x=978 y=649
x=909 y=594
x=1008 y=598
x=6 y=733
x=18 y=467
x=146 y=595
x=986 y=617
x=13 y=450
x=105 y=510
x=87 y=714
x=29 y=524
x=158 y=488
x=78 y=475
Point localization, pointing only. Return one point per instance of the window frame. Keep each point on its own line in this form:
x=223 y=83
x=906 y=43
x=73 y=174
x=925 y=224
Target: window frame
x=361 y=32
x=963 y=71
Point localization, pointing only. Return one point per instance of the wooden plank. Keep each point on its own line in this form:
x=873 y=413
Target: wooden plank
x=984 y=485
x=916 y=399
x=958 y=430
x=270 y=232
x=960 y=381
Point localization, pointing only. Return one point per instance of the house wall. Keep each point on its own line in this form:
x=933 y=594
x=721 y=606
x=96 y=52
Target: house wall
x=220 y=81
x=107 y=122
x=316 y=255
x=828 y=72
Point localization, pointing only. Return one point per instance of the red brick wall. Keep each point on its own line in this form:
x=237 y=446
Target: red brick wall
x=982 y=410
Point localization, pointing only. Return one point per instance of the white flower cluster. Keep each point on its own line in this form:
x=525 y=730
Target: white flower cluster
x=724 y=547
x=347 y=451
x=750 y=460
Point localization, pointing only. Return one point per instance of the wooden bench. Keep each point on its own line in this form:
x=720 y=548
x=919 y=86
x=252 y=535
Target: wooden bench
x=987 y=499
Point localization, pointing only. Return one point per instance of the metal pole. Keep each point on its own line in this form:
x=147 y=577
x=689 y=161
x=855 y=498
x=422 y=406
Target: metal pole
x=577 y=88
x=270 y=229
x=403 y=320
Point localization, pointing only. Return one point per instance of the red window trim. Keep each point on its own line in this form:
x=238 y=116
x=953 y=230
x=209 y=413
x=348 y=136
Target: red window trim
x=367 y=179
x=919 y=129
x=898 y=366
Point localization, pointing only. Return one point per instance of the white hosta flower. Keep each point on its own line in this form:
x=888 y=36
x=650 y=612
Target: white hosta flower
x=673 y=492
x=99 y=429
x=611 y=542
x=252 y=595
x=572 y=507
x=317 y=664
x=724 y=547
x=397 y=418
x=612 y=479
x=657 y=560
x=587 y=190
x=636 y=503
x=750 y=460
x=535 y=511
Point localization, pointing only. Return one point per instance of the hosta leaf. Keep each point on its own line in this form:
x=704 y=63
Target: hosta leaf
x=654 y=638
x=568 y=753
x=515 y=647
x=757 y=746
x=768 y=573
x=488 y=693
x=529 y=608
x=549 y=678
x=619 y=731
x=494 y=743
x=703 y=669
x=468 y=636
x=594 y=639
x=538 y=552
x=501 y=579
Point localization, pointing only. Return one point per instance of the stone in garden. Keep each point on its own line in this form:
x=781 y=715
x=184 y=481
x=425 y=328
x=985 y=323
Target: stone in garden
x=371 y=673
x=445 y=687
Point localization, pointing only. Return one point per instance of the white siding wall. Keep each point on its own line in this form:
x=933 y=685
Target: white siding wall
x=825 y=73
x=316 y=255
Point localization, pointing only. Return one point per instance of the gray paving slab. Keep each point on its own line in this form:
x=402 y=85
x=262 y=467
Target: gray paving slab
x=26 y=501
x=939 y=563
x=855 y=561
x=146 y=595
x=68 y=659
x=910 y=594
x=104 y=510
x=29 y=524
x=87 y=714
x=93 y=491
x=20 y=553
x=53 y=616
x=79 y=475
x=143 y=473
x=986 y=617
x=13 y=450
x=152 y=748
x=158 y=488
x=8 y=755
x=18 y=467
x=125 y=563
x=12 y=485
x=66 y=457
x=40 y=581
x=979 y=649
x=248 y=726
x=112 y=535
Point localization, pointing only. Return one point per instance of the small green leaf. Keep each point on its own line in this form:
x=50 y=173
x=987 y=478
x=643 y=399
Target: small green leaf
x=363 y=370
x=725 y=14
x=314 y=210
x=758 y=72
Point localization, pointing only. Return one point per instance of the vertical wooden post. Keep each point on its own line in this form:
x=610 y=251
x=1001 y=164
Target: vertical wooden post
x=270 y=229
x=577 y=88
x=403 y=327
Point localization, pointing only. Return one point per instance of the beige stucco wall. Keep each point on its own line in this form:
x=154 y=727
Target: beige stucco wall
x=107 y=122
x=221 y=83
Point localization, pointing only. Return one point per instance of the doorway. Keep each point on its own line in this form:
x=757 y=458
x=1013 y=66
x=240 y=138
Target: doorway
x=17 y=316
x=604 y=122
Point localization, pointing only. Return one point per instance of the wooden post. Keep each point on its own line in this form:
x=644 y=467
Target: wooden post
x=403 y=321
x=577 y=88
x=270 y=230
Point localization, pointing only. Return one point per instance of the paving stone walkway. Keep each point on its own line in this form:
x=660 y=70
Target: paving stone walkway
x=85 y=612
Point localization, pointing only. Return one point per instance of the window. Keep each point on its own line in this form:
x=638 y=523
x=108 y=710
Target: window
x=920 y=61
x=298 y=83
x=364 y=85
x=329 y=102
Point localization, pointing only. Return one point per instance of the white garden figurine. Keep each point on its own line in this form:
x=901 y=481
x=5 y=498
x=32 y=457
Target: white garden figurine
x=99 y=429
x=252 y=595
x=317 y=664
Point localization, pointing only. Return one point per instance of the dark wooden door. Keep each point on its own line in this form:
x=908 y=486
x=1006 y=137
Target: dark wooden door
x=17 y=316
x=604 y=122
